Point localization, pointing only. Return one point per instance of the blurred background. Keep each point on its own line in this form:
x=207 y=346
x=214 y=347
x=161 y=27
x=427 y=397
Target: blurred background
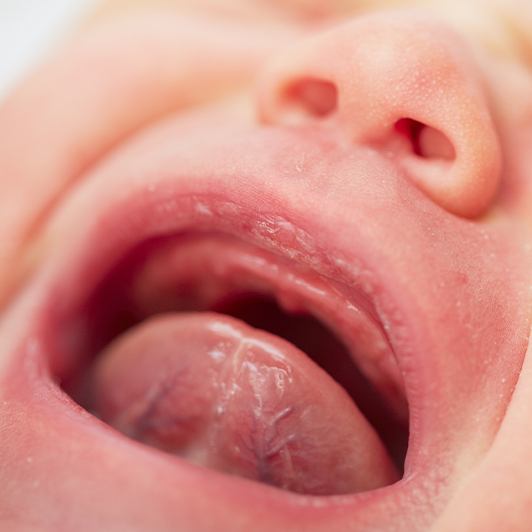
x=29 y=28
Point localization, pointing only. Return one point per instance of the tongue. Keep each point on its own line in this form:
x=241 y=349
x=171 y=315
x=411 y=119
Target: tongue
x=242 y=401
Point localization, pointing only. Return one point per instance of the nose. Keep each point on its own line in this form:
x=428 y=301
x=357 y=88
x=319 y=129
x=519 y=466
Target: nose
x=401 y=83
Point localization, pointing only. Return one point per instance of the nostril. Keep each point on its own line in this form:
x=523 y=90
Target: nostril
x=425 y=141
x=310 y=98
x=433 y=144
x=426 y=111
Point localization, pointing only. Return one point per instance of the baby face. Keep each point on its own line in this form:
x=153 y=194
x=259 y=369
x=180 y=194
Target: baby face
x=266 y=266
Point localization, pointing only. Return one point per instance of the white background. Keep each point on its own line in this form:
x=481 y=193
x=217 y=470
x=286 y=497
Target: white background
x=28 y=28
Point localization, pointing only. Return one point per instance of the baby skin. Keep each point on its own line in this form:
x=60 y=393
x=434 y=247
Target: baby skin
x=267 y=266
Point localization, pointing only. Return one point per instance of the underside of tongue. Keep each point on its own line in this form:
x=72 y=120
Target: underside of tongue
x=221 y=394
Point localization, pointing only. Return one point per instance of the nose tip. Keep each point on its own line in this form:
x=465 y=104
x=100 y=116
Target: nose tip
x=401 y=83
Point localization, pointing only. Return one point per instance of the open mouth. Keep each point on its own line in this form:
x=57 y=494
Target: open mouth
x=239 y=333
x=211 y=338
x=191 y=281
x=240 y=359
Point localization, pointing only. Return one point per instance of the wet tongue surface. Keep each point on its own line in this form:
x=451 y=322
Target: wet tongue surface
x=219 y=393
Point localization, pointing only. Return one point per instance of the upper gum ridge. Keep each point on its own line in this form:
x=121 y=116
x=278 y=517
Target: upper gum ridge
x=212 y=266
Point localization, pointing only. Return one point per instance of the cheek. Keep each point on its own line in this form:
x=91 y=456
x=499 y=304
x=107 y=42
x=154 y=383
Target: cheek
x=107 y=83
x=514 y=121
x=477 y=504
